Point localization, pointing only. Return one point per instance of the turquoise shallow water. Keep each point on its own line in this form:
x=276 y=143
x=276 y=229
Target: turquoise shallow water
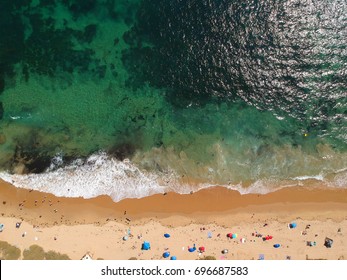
x=249 y=95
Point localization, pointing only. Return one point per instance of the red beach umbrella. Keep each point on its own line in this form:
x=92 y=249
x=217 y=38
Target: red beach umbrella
x=202 y=249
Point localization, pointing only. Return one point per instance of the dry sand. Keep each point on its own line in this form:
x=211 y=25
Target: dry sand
x=75 y=226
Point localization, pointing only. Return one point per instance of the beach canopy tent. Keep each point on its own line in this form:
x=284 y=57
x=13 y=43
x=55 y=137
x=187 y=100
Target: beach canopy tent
x=87 y=257
x=2 y=227
x=166 y=254
x=277 y=245
x=166 y=235
x=146 y=245
x=173 y=258
x=201 y=249
x=328 y=242
x=292 y=225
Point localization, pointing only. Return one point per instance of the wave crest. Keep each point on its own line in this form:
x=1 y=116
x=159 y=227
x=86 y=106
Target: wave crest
x=98 y=175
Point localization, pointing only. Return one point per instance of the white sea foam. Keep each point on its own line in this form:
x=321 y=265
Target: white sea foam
x=340 y=179
x=101 y=174
x=98 y=175
x=319 y=177
x=15 y=117
x=26 y=116
x=261 y=187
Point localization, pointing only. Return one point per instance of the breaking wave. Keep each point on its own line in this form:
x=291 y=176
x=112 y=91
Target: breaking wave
x=100 y=174
x=97 y=175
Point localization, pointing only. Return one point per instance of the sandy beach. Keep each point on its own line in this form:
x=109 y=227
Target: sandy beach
x=76 y=226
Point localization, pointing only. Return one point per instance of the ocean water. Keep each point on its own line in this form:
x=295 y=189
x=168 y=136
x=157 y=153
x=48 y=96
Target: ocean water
x=130 y=98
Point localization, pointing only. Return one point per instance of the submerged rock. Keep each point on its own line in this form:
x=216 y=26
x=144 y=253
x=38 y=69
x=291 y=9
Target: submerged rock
x=33 y=160
x=38 y=164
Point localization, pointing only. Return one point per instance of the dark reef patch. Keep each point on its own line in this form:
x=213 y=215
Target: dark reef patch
x=89 y=33
x=12 y=40
x=48 y=49
x=122 y=151
x=34 y=160
x=80 y=7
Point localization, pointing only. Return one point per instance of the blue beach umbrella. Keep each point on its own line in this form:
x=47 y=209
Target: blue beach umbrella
x=277 y=245
x=166 y=254
x=292 y=225
x=173 y=258
x=146 y=245
x=166 y=235
x=234 y=235
x=192 y=249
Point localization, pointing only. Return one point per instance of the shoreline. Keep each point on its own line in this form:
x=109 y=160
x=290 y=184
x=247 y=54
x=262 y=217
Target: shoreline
x=216 y=209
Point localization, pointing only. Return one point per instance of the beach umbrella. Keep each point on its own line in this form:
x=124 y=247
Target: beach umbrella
x=277 y=245
x=225 y=251
x=229 y=235
x=192 y=249
x=328 y=242
x=173 y=258
x=234 y=235
x=146 y=245
x=125 y=238
x=202 y=249
x=292 y=225
x=166 y=235
x=2 y=226
x=166 y=254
